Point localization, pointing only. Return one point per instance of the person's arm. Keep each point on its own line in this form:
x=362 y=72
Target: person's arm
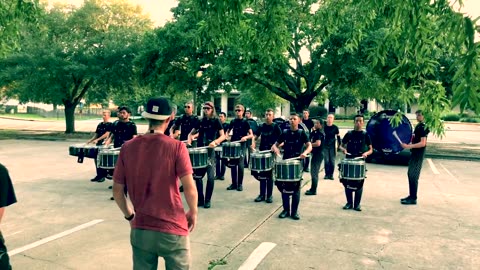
x=343 y=145
x=249 y=136
x=339 y=139
x=191 y=196
x=369 y=152
x=192 y=133
x=422 y=143
x=219 y=140
x=93 y=138
x=121 y=200
x=2 y=211
x=104 y=136
x=307 y=151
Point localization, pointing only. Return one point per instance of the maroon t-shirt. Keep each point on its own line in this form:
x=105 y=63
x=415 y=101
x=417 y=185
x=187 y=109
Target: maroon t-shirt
x=150 y=166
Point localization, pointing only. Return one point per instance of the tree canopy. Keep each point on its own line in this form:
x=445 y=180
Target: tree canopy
x=74 y=53
x=397 y=45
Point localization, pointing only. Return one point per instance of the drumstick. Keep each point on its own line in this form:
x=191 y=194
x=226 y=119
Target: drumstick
x=264 y=151
x=396 y=136
x=294 y=158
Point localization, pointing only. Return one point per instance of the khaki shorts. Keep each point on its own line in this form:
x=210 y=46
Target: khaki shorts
x=148 y=245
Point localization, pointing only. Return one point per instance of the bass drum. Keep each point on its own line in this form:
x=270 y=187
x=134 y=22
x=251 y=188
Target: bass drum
x=381 y=132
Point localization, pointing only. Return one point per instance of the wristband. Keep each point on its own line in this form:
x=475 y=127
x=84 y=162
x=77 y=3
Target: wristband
x=130 y=217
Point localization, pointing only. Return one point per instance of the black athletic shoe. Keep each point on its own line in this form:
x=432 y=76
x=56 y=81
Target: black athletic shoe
x=347 y=206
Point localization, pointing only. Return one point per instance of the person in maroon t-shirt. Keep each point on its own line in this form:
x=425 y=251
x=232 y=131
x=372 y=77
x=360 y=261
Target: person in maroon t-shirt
x=160 y=226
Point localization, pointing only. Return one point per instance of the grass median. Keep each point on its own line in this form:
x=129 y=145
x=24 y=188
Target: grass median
x=42 y=135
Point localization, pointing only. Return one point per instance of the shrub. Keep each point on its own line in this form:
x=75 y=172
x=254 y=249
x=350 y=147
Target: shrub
x=318 y=112
x=470 y=120
x=451 y=117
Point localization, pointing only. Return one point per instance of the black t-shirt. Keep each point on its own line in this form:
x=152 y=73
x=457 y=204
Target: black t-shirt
x=186 y=124
x=103 y=128
x=240 y=129
x=7 y=194
x=122 y=132
x=208 y=130
x=331 y=133
x=225 y=127
x=268 y=135
x=293 y=142
x=314 y=137
x=420 y=131
x=357 y=143
x=308 y=123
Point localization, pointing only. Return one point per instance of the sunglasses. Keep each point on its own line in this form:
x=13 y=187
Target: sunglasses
x=207 y=108
x=187 y=107
x=238 y=110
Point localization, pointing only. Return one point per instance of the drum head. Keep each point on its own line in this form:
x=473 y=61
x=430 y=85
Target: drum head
x=381 y=132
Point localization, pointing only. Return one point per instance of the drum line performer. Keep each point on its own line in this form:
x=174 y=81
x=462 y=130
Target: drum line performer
x=356 y=143
x=122 y=131
x=183 y=125
x=293 y=141
x=329 y=149
x=417 y=148
x=309 y=124
x=210 y=133
x=221 y=164
x=268 y=133
x=241 y=131
x=316 y=138
x=101 y=133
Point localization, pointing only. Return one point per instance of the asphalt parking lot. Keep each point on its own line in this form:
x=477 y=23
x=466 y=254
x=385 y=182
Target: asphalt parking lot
x=63 y=221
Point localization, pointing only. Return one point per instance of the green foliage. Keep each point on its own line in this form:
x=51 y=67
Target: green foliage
x=76 y=53
x=470 y=120
x=451 y=117
x=258 y=100
x=318 y=112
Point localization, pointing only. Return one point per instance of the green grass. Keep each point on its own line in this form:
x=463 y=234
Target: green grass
x=42 y=135
x=36 y=117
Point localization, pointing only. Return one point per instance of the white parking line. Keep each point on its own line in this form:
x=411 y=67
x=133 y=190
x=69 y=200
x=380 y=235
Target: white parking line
x=54 y=237
x=449 y=173
x=257 y=256
x=432 y=166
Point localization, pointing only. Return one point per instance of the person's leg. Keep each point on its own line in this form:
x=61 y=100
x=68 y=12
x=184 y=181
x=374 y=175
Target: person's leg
x=234 y=171
x=349 y=197
x=295 y=204
x=178 y=256
x=4 y=259
x=327 y=163
x=269 y=184
x=210 y=185
x=241 y=171
x=414 y=170
x=263 y=190
x=145 y=255
x=358 y=199
x=316 y=162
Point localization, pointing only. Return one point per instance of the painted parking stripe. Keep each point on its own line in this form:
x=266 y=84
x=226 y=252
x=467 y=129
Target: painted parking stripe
x=432 y=166
x=449 y=173
x=54 y=237
x=257 y=256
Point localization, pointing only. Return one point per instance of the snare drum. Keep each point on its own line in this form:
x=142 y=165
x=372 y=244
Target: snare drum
x=288 y=170
x=352 y=169
x=231 y=150
x=198 y=157
x=107 y=158
x=76 y=150
x=261 y=162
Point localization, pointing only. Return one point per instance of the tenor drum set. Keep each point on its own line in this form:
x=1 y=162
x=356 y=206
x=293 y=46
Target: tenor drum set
x=106 y=155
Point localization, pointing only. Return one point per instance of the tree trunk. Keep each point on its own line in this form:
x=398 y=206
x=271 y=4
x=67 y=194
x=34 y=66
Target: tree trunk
x=302 y=102
x=70 y=118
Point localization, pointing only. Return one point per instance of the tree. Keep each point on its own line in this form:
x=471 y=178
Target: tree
x=14 y=14
x=76 y=53
x=413 y=32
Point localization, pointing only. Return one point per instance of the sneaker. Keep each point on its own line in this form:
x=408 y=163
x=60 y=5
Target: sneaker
x=221 y=178
x=207 y=205
x=326 y=177
x=306 y=170
x=95 y=179
x=101 y=180
x=284 y=214
x=409 y=201
x=348 y=206
x=310 y=192
x=269 y=199
x=110 y=187
x=331 y=177
x=109 y=177
x=111 y=198
x=240 y=188
x=295 y=216
x=405 y=199
x=231 y=187
x=259 y=198
x=358 y=208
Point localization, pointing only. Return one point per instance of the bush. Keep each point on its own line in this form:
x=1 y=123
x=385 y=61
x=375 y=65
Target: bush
x=318 y=112
x=470 y=120
x=451 y=117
